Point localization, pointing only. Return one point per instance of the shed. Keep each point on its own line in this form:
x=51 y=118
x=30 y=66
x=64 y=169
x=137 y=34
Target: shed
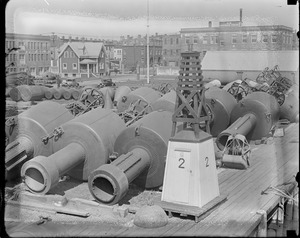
x=228 y=66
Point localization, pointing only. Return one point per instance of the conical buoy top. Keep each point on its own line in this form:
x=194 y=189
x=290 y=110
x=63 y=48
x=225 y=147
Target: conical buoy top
x=108 y=104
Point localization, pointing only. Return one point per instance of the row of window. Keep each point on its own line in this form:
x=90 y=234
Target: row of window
x=30 y=57
x=172 y=52
x=32 y=45
x=234 y=39
x=38 y=57
x=74 y=66
x=69 y=54
x=32 y=70
x=172 y=41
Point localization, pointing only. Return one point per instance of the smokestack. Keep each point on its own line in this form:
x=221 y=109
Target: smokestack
x=209 y=24
x=241 y=15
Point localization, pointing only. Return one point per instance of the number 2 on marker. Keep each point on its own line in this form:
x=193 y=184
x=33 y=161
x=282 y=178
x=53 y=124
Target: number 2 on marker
x=181 y=160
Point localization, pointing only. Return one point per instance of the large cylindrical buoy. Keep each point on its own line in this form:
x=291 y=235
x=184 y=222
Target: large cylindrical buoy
x=33 y=125
x=49 y=93
x=166 y=102
x=253 y=117
x=145 y=94
x=58 y=93
x=67 y=94
x=290 y=107
x=32 y=93
x=120 y=92
x=220 y=103
x=75 y=93
x=15 y=94
x=142 y=148
x=85 y=144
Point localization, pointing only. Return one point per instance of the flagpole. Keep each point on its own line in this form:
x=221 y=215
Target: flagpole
x=148 y=62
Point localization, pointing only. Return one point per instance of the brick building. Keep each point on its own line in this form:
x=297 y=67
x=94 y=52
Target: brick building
x=274 y=37
x=171 y=47
x=33 y=55
x=134 y=51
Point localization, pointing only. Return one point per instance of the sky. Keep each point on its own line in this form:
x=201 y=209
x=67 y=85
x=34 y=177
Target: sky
x=110 y=19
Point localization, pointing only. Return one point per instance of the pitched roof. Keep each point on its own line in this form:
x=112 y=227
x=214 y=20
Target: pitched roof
x=92 y=49
x=251 y=60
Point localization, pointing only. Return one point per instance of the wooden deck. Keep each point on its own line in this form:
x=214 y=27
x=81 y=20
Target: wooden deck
x=270 y=165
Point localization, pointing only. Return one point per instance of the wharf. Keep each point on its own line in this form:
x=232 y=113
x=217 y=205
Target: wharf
x=244 y=213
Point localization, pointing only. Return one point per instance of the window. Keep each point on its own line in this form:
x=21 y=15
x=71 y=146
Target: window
x=253 y=38
x=233 y=38
x=64 y=66
x=74 y=75
x=46 y=45
x=171 y=41
x=177 y=41
x=32 y=70
x=38 y=57
x=22 y=69
x=244 y=38
x=34 y=57
x=195 y=40
x=28 y=45
x=214 y=40
x=34 y=45
x=66 y=54
x=265 y=38
x=22 y=57
x=42 y=57
x=46 y=69
x=74 y=66
x=47 y=57
x=41 y=70
x=205 y=39
x=165 y=52
x=274 y=38
x=187 y=40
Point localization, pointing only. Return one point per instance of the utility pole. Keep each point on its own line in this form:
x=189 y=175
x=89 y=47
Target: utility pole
x=148 y=63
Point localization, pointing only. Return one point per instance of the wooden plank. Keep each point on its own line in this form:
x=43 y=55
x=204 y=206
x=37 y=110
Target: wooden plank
x=221 y=208
x=262 y=200
x=260 y=186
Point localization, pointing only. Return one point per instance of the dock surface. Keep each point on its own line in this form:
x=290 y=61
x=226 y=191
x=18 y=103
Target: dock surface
x=272 y=165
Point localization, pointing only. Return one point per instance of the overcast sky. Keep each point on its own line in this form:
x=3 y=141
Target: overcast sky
x=113 y=18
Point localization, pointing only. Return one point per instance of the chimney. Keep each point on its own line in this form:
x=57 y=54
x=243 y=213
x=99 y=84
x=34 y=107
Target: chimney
x=209 y=24
x=241 y=16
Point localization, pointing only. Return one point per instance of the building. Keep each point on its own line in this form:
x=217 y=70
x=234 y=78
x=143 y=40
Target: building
x=232 y=35
x=274 y=37
x=32 y=54
x=171 y=47
x=82 y=59
x=228 y=66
